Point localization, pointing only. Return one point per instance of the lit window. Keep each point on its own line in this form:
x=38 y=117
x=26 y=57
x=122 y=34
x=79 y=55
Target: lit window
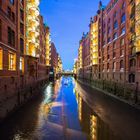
x=12 y=61
x=21 y=65
x=123 y=18
x=123 y=31
x=1 y=59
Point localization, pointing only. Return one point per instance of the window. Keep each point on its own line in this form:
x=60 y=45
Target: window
x=123 y=31
x=121 y=64
x=9 y=12
x=21 y=65
x=12 y=2
x=21 y=46
x=133 y=50
x=114 y=65
x=108 y=56
x=12 y=61
x=21 y=14
x=107 y=66
x=122 y=42
x=13 y=16
x=115 y=25
x=115 y=36
x=123 y=18
x=21 y=28
x=123 y=5
x=11 y=37
x=114 y=54
x=121 y=52
x=132 y=63
x=1 y=59
x=22 y=2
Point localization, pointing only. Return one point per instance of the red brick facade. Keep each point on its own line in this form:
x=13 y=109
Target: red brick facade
x=118 y=60
x=19 y=72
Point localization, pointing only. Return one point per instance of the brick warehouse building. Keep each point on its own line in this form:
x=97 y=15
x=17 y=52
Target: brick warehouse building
x=85 y=43
x=54 y=58
x=114 y=43
x=24 y=52
x=9 y=52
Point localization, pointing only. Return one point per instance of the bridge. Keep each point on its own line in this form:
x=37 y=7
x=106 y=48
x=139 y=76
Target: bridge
x=66 y=73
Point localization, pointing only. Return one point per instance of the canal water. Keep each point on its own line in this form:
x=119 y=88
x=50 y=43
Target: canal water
x=58 y=113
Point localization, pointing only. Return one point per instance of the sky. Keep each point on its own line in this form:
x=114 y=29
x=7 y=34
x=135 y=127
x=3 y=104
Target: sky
x=68 y=19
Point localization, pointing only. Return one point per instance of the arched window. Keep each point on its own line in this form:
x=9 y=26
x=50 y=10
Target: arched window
x=114 y=65
x=123 y=18
x=115 y=24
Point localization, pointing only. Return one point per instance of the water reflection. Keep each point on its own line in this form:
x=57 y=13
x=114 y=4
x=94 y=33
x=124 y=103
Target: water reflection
x=91 y=124
x=58 y=113
x=26 y=123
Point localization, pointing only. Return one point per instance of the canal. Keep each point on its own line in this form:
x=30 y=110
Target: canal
x=67 y=110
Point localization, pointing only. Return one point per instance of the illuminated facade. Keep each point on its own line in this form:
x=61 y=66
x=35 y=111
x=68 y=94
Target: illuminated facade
x=22 y=55
x=32 y=28
x=114 y=44
x=94 y=41
x=80 y=60
x=80 y=56
x=48 y=46
x=137 y=26
x=75 y=67
x=60 y=67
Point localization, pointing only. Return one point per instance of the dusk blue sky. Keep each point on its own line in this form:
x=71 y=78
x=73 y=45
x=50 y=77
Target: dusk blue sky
x=67 y=20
